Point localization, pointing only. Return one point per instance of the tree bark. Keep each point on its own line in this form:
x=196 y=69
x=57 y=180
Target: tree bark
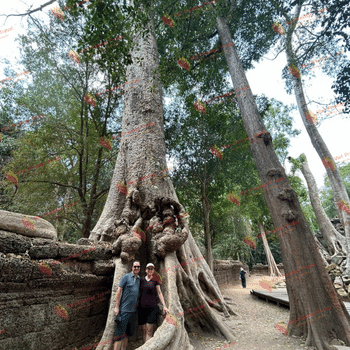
x=144 y=220
x=334 y=240
x=340 y=195
x=308 y=295
x=207 y=236
x=272 y=267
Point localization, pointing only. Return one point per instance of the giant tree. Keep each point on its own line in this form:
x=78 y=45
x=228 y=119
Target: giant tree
x=298 y=248
x=144 y=219
x=303 y=42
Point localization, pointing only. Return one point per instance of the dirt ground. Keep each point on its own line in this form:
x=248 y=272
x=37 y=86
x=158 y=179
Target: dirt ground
x=254 y=327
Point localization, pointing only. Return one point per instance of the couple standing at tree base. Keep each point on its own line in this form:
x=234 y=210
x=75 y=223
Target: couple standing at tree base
x=132 y=289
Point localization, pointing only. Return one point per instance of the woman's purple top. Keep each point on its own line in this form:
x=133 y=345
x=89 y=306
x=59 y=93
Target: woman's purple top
x=148 y=293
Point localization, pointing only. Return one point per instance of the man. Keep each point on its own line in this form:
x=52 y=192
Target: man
x=125 y=311
x=242 y=274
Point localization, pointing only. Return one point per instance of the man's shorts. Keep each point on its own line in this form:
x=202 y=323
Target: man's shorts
x=147 y=315
x=126 y=325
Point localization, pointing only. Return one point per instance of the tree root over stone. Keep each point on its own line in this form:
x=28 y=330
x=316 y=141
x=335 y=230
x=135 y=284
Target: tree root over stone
x=188 y=285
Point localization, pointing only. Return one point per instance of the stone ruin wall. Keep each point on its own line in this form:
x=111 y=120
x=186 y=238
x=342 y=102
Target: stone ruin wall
x=226 y=272
x=260 y=269
x=55 y=295
x=40 y=280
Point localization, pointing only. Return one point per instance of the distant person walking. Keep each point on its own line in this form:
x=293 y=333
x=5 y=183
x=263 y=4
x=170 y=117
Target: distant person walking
x=242 y=275
x=127 y=295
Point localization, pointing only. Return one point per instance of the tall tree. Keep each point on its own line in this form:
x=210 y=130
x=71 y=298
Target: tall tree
x=272 y=267
x=139 y=206
x=334 y=240
x=298 y=249
x=300 y=50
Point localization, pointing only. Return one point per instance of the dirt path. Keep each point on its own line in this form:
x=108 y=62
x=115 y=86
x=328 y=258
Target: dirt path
x=254 y=328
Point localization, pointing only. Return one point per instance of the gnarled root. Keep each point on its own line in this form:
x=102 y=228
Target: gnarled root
x=188 y=286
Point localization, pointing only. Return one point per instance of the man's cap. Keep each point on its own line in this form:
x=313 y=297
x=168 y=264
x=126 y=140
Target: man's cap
x=149 y=264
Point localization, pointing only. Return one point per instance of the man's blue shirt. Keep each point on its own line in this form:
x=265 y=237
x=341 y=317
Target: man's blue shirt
x=131 y=288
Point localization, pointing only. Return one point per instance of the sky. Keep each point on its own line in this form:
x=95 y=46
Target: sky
x=265 y=78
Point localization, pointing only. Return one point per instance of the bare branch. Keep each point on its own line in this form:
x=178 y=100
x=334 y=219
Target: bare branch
x=275 y=56
x=30 y=11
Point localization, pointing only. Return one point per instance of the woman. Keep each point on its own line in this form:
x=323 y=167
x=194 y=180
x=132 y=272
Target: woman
x=242 y=273
x=148 y=308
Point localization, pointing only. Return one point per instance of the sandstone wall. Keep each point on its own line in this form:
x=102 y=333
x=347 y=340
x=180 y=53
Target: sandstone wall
x=260 y=269
x=53 y=295
x=226 y=272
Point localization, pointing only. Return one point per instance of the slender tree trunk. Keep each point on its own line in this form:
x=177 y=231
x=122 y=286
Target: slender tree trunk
x=340 y=195
x=207 y=235
x=273 y=269
x=145 y=220
x=334 y=240
x=66 y=202
x=323 y=252
x=311 y=293
x=89 y=206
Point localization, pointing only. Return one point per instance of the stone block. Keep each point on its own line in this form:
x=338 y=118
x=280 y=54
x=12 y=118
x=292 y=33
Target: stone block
x=13 y=242
x=26 y=225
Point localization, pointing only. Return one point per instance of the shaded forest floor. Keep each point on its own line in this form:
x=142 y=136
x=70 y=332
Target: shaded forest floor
x=254 y=328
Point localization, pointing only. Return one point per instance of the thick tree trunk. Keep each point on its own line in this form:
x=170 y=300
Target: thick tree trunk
x=313 y=294
x=340 y=195
x=272 y=267
x=334 y=240
x=207 y=236
x=145 y=221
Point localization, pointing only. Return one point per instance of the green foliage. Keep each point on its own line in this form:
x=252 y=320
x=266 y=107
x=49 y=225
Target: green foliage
x=198 y=174
x=327 y=193
x=336 y=24
x=71 y=129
